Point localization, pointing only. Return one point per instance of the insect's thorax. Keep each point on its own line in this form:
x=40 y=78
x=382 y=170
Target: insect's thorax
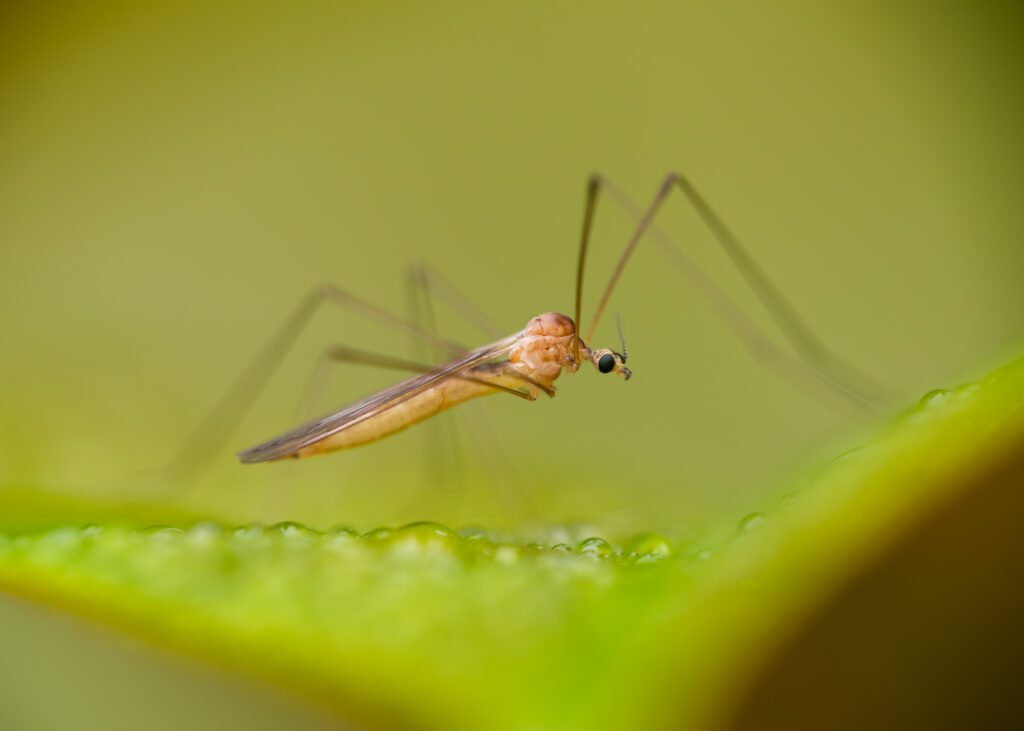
x=545 y=348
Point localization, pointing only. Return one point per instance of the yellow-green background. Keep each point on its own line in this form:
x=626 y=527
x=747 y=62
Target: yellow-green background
x=174 y=176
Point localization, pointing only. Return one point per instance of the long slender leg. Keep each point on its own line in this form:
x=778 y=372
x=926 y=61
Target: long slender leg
x=223 y=419
x=426 y=283
x=364 y=357
x=812 y=355
x=443 y=459
x=433 y=283
x=505 y=477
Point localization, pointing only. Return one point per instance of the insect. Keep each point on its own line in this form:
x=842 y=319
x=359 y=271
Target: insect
x=526 y=364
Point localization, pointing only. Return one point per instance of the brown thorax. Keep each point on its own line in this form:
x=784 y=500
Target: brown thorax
x=546 y=348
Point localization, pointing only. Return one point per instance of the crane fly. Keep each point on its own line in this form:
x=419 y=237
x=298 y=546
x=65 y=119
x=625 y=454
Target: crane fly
x=526 y=364
x=530 y=362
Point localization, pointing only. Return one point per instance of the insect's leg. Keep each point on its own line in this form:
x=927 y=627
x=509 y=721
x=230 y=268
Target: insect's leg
x=433 y=284
x=503 y=474
x=424 y=287
x=210 y=437
x=811 y=355
x=443 y=458
x=425 y=284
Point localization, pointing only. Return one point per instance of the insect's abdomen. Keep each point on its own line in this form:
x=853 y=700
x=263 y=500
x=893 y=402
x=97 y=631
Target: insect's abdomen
x=422 y=406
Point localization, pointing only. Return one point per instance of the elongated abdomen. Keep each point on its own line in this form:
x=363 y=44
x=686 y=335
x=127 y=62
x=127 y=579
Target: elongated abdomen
x=422 y=406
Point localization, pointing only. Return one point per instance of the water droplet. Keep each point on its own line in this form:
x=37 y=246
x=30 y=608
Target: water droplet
x=788 y=499
x=839 y=461
x=342 y=537
x=378 y=534
x=91 y=530
x=751 y=522
x=700 y=554
x=649 y=545
x=426 y=529
x=423 y=537
x=935 y=398
x=251 y=532
x=163 y=532
x=474 y=533
x=595 y=547
x=293 y=531
x=205 y=534
x=561 y=548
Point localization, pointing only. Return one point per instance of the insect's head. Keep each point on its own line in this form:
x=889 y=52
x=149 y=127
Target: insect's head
x=608 y=361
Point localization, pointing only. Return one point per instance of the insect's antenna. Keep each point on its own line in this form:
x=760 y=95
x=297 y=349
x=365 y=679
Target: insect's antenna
x=622 y=338
x=593 y=188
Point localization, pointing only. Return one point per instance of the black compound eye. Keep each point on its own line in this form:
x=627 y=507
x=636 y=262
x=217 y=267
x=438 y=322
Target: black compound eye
x=606 y=363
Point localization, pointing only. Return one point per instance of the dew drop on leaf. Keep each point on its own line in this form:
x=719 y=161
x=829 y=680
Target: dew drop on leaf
x=935 y=398
x=294 y=531
x=649 y=545
x=750 y=522
x=595 y=547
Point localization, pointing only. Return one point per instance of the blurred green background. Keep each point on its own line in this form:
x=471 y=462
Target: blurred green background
x=175 y=175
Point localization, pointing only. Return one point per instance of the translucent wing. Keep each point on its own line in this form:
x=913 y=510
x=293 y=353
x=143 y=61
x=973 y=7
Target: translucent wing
x=291 y=442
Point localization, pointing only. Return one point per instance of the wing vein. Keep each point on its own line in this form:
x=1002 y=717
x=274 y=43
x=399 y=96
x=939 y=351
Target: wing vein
x=364 y=409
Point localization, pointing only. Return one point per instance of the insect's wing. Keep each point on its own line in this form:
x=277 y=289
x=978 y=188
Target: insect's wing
x=315 y=431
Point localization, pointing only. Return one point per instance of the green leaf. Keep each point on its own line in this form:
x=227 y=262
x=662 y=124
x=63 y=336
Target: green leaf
x=899 y=554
